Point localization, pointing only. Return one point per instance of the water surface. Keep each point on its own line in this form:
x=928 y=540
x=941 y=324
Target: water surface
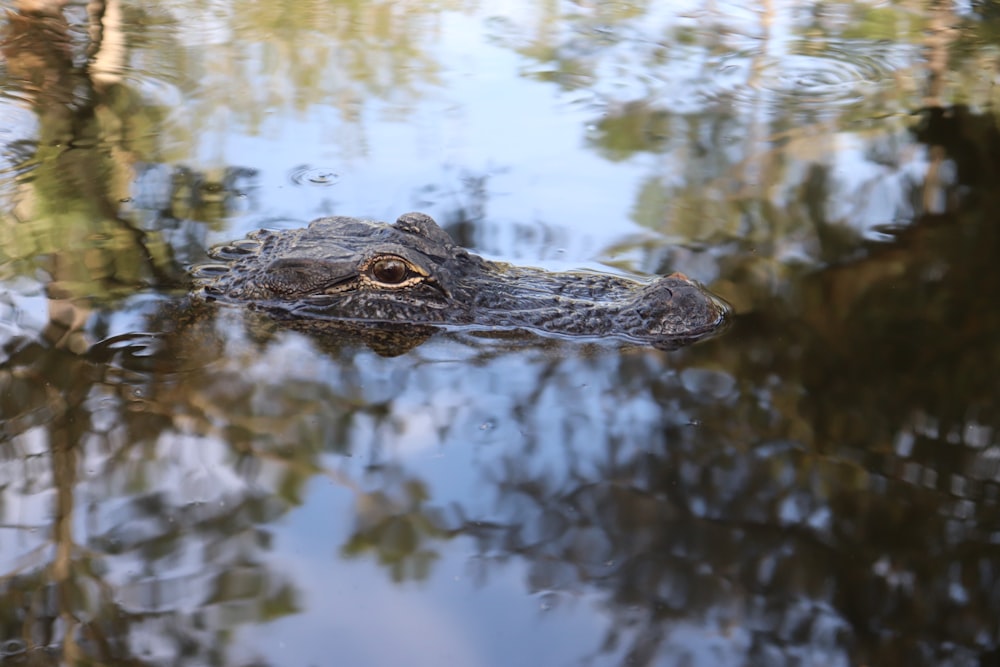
x=818 y=486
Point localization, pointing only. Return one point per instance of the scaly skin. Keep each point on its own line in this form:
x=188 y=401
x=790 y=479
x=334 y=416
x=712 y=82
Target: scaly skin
x=411 y=272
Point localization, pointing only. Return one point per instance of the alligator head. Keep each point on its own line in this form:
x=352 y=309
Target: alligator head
x=411 y=272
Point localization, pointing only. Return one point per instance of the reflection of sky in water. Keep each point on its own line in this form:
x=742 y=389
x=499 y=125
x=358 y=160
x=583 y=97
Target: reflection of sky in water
x=487 y=114
x=451 y=442
x=483 y=119
x=453 y=421
x=364 y=619
x=353 y=610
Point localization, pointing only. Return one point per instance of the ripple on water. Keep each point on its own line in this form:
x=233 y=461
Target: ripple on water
x=320 y=176
x=812 y=75
x=18 y=127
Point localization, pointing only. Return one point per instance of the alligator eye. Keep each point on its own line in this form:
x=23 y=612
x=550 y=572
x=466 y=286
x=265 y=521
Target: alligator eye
x=390 y=270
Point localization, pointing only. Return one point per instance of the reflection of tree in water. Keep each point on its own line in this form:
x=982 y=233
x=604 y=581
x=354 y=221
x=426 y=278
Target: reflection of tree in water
x=86 y=579
x=339 y=56
x=818 y=486
x=730 y=487
x=736 y=167
x=111 y=579
x=168 y=457
x=775 y=489
x=161 y=465
x=759 y=540
x=838 y=501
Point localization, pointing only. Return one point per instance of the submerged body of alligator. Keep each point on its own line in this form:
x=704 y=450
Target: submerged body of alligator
x=412 y=273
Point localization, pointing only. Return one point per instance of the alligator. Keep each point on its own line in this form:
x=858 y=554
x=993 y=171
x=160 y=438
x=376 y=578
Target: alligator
x=354 y=270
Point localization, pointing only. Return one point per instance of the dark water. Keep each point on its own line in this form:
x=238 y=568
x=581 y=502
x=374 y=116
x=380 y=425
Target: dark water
x=818 y=486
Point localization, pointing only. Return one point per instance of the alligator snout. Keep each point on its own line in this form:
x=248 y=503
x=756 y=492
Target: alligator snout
x=673 y=306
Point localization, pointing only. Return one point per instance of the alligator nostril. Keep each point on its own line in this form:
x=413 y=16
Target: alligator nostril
x=657 y=291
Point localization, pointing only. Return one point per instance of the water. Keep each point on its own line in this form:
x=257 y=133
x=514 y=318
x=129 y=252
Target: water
x=818 y=486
